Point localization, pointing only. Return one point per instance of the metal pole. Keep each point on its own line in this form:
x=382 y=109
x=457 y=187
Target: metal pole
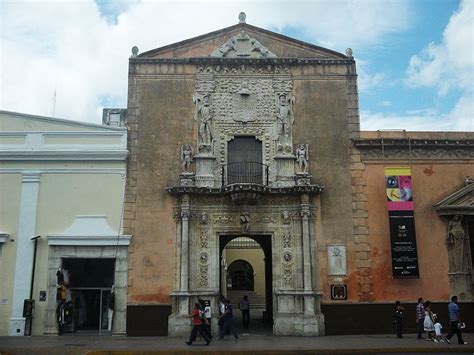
x=34 y=265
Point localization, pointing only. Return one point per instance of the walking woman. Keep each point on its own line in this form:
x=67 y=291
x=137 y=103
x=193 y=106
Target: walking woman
x=197 y=326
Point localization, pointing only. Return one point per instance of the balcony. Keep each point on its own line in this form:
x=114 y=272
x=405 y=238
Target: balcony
x=245 y=181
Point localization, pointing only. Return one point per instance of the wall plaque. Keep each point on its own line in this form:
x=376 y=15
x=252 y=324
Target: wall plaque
x=337 y=264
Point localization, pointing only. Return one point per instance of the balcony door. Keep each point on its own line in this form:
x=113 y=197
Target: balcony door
x=244 y=158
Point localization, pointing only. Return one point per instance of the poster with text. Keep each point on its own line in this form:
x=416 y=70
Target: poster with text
x=402 y=222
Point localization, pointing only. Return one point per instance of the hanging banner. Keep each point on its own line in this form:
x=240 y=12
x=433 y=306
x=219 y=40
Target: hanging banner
x=402 y=223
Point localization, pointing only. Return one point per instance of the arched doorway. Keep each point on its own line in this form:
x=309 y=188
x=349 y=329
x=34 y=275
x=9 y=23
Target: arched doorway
x=241 y=276
x=246 y=270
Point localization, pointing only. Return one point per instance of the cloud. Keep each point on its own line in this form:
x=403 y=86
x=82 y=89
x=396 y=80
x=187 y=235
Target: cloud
x=449 y=66
x=460 y=118
x=80 y=49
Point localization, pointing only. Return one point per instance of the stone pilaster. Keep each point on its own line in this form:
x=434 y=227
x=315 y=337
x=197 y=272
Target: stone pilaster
x=24 y=251
x=360 y=216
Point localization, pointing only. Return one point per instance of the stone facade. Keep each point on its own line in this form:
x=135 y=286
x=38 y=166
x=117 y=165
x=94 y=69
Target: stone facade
x=319 y=208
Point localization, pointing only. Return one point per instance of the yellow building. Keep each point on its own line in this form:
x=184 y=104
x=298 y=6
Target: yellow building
x=64 y=182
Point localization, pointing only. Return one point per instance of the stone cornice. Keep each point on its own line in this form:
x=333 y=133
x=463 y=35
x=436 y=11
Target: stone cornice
x=414 y=149
x=100 y=155
x=87 y=240
x=239 y=61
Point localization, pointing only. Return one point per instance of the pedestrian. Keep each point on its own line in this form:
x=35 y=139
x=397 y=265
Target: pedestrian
x=398 y=319
x=455 y=324
x=204 y=313
x=227 y=326
x=221 y=313
x=438 y=333
x=244 y=306
x=428 y=323
x=197 y=321
x=420 y=317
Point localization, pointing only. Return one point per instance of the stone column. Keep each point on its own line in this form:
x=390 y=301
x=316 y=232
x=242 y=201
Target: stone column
x=307 y=261
x=184 y=276
x=178 y=321
x=24 y=250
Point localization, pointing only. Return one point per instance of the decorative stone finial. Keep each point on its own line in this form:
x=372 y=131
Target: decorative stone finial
x=349 y=52
x=134 y=51
x=242 y=17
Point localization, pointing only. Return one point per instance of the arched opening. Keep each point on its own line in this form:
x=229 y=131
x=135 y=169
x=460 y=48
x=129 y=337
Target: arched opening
x=241 y=276
x=246 y=270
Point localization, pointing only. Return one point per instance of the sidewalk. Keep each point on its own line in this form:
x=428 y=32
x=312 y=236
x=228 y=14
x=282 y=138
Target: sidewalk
x=246 y=344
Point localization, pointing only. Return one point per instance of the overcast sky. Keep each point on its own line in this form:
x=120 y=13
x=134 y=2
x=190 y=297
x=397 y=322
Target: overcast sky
x=415 y=59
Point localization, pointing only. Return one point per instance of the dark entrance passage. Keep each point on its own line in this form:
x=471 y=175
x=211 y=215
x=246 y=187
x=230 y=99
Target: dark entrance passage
x=247 y=276
x=88 y=285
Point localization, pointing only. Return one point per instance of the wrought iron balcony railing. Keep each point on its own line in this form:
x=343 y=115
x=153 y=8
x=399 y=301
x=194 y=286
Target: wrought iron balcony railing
x=245 y=173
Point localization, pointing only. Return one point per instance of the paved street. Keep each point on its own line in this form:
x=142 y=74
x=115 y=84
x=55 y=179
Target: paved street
x=248 y=344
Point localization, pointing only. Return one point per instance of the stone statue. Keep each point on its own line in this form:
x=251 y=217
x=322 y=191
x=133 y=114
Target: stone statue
x=285 y=118
x=302 y=157
x=455 y=242
x=186 y=157
x=204 y=118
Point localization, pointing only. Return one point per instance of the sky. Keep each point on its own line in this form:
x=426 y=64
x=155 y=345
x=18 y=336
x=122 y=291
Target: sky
x=415 y=59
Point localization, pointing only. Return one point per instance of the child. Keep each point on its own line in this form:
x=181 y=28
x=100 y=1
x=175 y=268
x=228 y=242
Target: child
x=437 y=327
x=428 y=323
x=439 y=336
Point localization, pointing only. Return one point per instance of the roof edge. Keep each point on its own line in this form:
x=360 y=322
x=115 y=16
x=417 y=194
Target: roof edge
x=241 y=26
x=61 y=120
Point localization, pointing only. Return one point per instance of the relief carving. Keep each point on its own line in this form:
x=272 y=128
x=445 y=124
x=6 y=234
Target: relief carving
x=223 y=220
x=204 y=239
x=287 y=275
x=285 y=217
x=245 y=222
x=203 y=276
x=286 y=240
x=242 y=46
x=203 y=218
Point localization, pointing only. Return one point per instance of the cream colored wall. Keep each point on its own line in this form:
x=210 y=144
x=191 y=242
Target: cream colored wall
x=255 y=258
x=62 y=197
x=10 y=194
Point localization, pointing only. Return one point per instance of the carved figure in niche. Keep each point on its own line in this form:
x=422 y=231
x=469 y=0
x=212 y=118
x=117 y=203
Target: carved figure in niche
x=455 y=242
x=302 y=157
x=186 y=157
x=245 y=221
x=204 y=118
x=285 y=215
x=285 y=118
